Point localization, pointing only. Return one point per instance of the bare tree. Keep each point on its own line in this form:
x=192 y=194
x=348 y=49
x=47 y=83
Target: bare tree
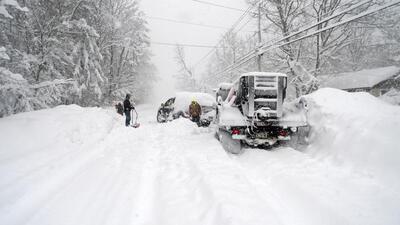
x=330 y=42
x=286 y=15
x=186 y=80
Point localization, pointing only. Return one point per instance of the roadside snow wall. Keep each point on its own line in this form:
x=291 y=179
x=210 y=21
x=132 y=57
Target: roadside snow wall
x=356 y=130
x=392 y=97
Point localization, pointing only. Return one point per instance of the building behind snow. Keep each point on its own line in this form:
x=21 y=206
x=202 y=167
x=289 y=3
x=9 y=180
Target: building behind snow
x=377 y=81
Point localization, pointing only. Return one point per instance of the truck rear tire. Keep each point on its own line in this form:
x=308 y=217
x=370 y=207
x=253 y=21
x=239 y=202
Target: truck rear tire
x=161 y=118
x=230 y=145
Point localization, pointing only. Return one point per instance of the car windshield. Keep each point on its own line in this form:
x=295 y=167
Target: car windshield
x=169 y=102
x=223 y=93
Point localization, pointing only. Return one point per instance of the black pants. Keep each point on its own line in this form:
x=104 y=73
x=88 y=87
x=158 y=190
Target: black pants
x=196 y=119
x=128 y=118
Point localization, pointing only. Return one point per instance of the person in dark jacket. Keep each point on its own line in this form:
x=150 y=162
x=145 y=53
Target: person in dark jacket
x=127 y=109
x=120 y=108
x=195 y=112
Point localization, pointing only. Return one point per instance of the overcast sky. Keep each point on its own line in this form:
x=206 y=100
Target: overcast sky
x=189 y=11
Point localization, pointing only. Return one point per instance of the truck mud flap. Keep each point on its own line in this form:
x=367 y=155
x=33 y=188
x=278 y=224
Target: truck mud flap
x=299 y=139
x=229 y=144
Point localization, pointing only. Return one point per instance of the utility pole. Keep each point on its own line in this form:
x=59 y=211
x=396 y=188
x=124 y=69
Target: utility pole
x=259 y=38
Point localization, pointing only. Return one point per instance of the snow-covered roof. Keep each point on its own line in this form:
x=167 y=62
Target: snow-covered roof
x=263 y=74
x=359 y=79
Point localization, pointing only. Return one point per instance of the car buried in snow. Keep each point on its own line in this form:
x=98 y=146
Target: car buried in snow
x=178 y=106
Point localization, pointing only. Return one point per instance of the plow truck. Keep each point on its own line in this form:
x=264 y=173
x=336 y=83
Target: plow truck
x=253 y=112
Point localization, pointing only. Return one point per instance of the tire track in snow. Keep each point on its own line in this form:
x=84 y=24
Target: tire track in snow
x=175 y=174
x=109 y=194
x=182 y=188
x=198 y=183
x=290 y=212
x=304 y=186
x=78 y=195
x=147 y=207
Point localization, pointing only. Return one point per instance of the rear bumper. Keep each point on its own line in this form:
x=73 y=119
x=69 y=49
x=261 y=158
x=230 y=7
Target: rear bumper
x=238 y=137
x=260 y=141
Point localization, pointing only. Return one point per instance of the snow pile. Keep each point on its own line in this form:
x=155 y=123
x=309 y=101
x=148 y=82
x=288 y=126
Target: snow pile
x=231 y=116
x=359 y=79
x=392 y=97
x=73 y=165
x=64 y=125
x=183 y=100
x=294 y=112
x=356 y=130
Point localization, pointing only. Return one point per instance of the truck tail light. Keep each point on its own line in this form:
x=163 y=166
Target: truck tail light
x=235 y=131
x=283 y=133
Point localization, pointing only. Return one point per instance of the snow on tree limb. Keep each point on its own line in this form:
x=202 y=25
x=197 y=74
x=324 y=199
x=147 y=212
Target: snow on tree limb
x=3 y=53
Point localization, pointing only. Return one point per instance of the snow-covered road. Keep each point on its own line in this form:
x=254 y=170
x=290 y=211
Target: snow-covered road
x=72 y=165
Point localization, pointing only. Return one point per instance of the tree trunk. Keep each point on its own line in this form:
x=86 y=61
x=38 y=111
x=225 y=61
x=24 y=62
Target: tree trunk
x=111 y=73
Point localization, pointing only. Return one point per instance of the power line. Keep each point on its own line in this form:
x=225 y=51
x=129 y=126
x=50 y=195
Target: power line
x=319 y=22
x=218 y=5
x=237 y=22
x=360 y=15
x=212 y=50
x=204 y=57
x=244 y=25
x=184 y=45
x=302 y=27
x=300 y=30
x=241 y=18
x=253 y=54
x=188 y=23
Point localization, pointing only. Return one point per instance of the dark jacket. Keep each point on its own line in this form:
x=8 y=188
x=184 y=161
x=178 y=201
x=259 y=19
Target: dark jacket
x=127 y=105
x=195 y=109
x=120 y=108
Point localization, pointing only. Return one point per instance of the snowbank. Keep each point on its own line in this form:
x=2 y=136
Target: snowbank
x=359 y=79
x=357 y=130
x=231 y=116
x=63 y=125
x=74 y=165
x=392 y=97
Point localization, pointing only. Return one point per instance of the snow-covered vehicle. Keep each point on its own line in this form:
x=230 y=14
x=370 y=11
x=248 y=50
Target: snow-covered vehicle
x=178 y=106
x=223 y=90
x=253 y=112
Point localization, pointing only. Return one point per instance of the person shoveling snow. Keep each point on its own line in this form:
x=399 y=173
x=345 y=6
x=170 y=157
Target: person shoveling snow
x=128 y=108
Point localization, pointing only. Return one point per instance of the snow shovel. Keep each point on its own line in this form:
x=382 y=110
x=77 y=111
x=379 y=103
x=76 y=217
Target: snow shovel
x=136 y=124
